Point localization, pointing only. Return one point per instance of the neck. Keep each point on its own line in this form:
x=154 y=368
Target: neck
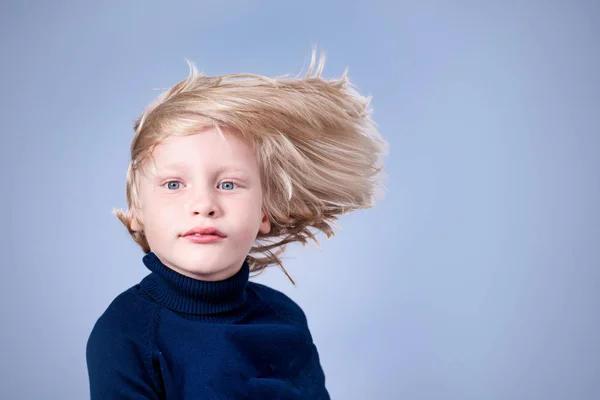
x=191 y=295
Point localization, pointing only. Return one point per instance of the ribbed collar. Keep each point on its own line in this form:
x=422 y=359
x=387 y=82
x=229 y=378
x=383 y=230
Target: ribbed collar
x=184 y=294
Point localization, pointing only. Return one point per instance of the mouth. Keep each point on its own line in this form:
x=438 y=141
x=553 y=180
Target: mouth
x=203 y=235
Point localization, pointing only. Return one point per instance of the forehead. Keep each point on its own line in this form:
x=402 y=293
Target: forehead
x=209 y=147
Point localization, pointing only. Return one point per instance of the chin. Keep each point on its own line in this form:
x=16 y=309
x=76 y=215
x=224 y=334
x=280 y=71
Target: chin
x=205 y=270
x=204 y=262
x=202 y=268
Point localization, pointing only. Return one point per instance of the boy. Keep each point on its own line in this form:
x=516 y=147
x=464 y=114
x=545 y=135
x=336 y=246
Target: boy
x=225 y=172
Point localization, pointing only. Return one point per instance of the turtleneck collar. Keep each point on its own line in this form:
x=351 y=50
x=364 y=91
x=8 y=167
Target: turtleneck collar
x=187 y=295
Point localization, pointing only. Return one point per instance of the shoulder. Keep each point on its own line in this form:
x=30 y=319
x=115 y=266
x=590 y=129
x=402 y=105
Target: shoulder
x=120 y=349
x=126 y=321
x=127 y=311
x=282 y=305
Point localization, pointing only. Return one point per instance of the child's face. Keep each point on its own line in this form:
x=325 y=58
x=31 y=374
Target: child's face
x=202 y=181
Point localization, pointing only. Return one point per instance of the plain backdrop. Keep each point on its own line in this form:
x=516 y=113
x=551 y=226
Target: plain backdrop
x=476 y=277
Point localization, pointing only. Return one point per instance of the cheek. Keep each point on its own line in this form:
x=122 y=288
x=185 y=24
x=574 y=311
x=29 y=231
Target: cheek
x=159 y=216
x=248 y=216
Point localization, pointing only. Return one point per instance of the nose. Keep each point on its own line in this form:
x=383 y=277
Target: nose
x=204 y=203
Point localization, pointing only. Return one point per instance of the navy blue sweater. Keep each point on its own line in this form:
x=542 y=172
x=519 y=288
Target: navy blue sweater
x=174 y=337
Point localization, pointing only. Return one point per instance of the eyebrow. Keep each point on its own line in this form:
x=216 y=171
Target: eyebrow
x=174 y=166
x=179 y=167
x=232 y=168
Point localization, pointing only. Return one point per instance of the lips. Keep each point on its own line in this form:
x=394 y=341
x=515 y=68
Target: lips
x=204 y=231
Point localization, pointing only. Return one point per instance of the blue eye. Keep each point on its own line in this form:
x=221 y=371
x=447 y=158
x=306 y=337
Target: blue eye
x=227 y=185
x=173 y=185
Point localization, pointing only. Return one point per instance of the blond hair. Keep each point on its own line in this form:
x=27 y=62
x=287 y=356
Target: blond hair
x=319 y=151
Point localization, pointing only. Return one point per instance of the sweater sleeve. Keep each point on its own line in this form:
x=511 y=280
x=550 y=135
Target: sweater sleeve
x=119 y=352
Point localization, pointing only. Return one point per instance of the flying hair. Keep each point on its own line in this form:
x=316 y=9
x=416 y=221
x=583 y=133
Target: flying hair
x=319 y=151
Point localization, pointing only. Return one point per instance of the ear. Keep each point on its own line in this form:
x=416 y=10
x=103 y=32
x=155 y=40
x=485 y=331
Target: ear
x=265 y=224
x=136 y=221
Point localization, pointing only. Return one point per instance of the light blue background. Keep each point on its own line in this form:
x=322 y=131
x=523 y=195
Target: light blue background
x=476 y=278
